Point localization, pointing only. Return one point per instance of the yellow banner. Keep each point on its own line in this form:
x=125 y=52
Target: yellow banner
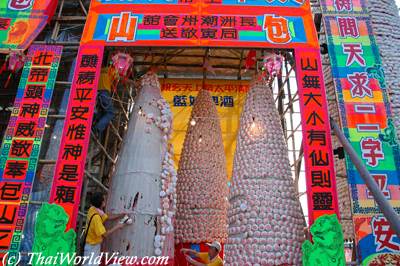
x=229 y=97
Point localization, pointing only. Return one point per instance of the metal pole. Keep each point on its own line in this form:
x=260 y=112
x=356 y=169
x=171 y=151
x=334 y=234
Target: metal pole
x=380 y=199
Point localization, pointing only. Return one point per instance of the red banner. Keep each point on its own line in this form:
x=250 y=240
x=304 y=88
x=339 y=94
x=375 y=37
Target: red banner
x=20 y=150
x=319 y=164
x=70 y=167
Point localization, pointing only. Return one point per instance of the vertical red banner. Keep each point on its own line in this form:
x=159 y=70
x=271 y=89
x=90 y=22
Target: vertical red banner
x=319 y=164
x=19 y=153
x=70 y=167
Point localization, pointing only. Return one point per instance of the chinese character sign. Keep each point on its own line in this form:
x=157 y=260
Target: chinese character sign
x=21 y=145
x=228 y=96
x=269 y=3
x=344 y=6
x=69 y=170
x=136 y=28
x=366 y=120
x=21 y=21
x=201 y=23
x=319 y=165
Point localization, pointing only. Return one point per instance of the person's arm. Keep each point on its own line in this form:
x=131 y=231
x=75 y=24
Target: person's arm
x=193 y=262
x=187 y=251
x=112 y=217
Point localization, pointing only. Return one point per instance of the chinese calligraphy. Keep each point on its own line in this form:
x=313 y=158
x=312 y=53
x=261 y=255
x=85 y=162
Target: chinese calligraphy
x=72 y=155
x=319 y=163
x=372 y=151
x=354 y=53
x=184 y=100
x=195 y=26
x=277 y=29
x=360 y=86
x=384 y=234
x=123 y=28
x=343 y=5
x=361 y=89
x=20 y=149
x=348 y=27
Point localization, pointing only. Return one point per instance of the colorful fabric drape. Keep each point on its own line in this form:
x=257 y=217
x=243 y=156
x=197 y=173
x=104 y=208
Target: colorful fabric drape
x=22 y=21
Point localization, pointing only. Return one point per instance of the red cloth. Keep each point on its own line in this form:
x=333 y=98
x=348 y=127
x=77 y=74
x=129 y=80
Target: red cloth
x=51 y=9
x=251 y=59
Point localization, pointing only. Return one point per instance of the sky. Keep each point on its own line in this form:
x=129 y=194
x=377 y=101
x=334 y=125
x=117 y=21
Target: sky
x=398 y=3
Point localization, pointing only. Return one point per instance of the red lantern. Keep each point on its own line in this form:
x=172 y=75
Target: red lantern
x=122 y=63
x=273 y=64
x=251 y=59
x=14 y=62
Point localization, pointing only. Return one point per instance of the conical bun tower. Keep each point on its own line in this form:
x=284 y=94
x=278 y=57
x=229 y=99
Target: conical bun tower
x=144 y=181
x=265 y=217
x=202 y=189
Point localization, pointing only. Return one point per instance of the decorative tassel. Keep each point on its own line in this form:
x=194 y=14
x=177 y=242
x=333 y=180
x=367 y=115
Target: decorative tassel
x=4 y=66
x=251 y=59
x=8 y=80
